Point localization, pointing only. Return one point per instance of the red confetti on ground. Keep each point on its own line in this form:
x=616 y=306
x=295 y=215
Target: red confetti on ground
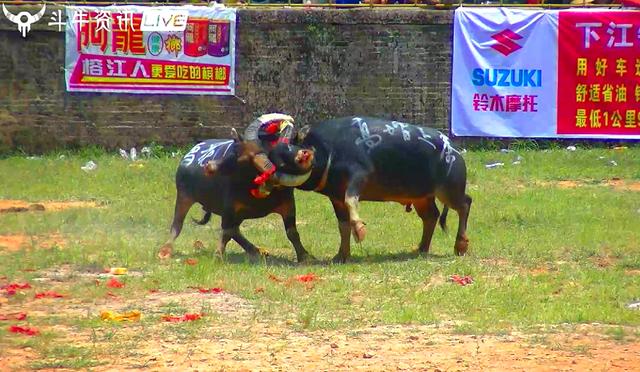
x=11 y=288
x=306 y=278
x=259 y=290
x=48 y=294
x=184 y=318
x=23 y=330
x=191 y=261
x=210 y=290
x=15 y=316
x=154 y=290
x=114 y=283
x=462 y=280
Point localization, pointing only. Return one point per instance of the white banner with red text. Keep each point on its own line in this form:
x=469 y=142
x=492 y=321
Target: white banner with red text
x=152 y=50
x=546 y=73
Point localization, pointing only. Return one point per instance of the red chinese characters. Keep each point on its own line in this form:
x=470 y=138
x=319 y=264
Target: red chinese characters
x=507 y=103
x=127 y=36
x=92 y=28
x=122 y=29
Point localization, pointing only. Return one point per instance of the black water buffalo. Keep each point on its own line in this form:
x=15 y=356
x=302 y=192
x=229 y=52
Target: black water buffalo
x=372 y=159
x=228 y=193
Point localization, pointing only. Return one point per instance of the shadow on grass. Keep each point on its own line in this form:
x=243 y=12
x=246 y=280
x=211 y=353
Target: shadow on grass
x=271 y=260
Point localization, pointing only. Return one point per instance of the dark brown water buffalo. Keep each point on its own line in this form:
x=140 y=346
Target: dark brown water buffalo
x=372 y=159
x=228 y=193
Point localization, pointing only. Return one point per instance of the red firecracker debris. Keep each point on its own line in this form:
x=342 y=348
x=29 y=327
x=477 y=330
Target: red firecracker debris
x=48 y=294
x=11 y=288
x=184 y=318
x=306 y=278
x=462 y=280
x=114 y=283
x=210 y=290
x=23 y=330
x=191 y=261
x=15 y=316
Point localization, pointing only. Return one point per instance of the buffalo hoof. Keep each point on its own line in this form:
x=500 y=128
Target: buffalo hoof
x=339 y=259
x=165 y=251
x=257 y=255
x=358 y=230
x=307 y=259
x=461 y=246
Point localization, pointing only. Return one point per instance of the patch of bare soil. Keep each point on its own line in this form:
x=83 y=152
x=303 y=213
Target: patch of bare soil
x=14 y=358
x=604 y=262
x=14 y=206
x=231 y=338
x=615 y=183
x=12 y=243
x=567 y=184
x=272 y=347
x=619 y=184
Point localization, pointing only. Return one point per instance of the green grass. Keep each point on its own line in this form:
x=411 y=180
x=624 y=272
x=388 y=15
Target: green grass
x=518 y=225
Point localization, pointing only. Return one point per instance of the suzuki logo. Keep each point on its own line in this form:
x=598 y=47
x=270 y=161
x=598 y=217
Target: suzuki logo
x=506 y=44
x=24 y=19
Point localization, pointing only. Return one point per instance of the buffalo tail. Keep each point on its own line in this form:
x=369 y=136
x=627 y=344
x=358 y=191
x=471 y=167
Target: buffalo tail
x=205 y=219
x=443 y=218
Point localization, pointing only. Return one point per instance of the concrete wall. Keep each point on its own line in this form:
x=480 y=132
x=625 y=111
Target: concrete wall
x=313 y=64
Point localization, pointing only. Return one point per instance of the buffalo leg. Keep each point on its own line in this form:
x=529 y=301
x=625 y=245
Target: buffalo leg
x=351 y=198
x=462 y=241
x=342 y=213
x=288 y=212
x=428 y=212
x=461 y=203
x=248 y=247
x=231 y=230
x=183 y=204
x=225 y=236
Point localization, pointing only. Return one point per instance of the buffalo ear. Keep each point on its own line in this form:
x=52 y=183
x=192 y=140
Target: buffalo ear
x=302 y=133
x=247 y=151
x=237 y=137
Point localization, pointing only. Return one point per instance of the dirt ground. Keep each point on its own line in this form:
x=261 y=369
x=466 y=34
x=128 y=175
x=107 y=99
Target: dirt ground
x=231 y=338
x=16 y=206
x=615 y=183
x=234 y=340
x=14 y=242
